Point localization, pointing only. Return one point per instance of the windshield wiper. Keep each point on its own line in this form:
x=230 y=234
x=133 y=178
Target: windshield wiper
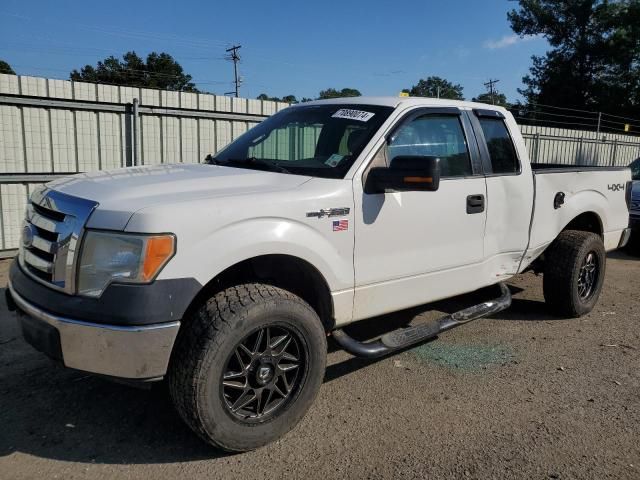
x=255 y=161
x=211 y=160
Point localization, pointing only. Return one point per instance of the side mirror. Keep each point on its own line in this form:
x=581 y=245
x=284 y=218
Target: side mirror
x=406 y=174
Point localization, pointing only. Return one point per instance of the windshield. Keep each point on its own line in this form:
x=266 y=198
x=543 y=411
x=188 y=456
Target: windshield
x=635 y=169
x=316 y=140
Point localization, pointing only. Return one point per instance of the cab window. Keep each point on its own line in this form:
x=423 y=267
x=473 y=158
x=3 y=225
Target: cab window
x=501 y=150
x=438 y=136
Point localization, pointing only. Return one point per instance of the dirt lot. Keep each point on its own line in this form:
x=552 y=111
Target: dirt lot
x=520 y=395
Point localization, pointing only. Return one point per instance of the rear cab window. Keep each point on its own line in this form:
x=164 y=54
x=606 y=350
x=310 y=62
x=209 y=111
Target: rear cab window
x=502 y=152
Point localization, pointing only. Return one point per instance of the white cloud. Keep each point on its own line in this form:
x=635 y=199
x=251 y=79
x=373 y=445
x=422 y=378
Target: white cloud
x=508 y=41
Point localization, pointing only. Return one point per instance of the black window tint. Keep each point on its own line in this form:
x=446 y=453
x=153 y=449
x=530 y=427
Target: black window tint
x=438 y=136
x=501 y=150
x=635 y=169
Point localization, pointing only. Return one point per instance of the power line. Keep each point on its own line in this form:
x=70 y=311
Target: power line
x=530 y=120
x=623 y=118
x=541 y=112
x=235 y=58
x=597 y=122
x=560 y=108
x=135 y=73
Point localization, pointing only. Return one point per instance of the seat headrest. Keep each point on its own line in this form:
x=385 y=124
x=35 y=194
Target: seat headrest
x=355 y=140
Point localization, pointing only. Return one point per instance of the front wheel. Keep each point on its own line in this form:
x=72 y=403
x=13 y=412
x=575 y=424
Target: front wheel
x=574 y=273
x=247 y=366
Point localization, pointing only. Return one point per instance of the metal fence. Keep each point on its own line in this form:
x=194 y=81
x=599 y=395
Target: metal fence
x=51 y=128
x=576 y=147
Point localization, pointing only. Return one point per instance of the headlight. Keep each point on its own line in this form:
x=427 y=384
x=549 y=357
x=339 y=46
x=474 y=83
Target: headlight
x=121 y=257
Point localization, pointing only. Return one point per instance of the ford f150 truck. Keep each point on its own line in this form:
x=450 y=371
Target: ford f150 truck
x=226 y=277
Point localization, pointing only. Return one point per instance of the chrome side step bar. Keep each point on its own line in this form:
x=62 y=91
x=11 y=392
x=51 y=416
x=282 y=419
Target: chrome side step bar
x=405 y=337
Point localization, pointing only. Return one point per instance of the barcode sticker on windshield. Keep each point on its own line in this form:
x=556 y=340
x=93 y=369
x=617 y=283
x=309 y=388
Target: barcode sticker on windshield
x=353 y=115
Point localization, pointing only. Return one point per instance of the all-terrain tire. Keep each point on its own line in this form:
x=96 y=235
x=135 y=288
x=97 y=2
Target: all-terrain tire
x=210 y=338
x=564 y=263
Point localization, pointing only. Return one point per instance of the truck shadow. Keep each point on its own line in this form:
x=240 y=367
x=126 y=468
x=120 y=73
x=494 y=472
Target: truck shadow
x=50 y=412
x=625 y=254
x=520 y=310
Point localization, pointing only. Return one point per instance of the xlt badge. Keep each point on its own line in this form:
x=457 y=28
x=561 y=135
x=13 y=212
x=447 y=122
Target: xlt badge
x=330 y=212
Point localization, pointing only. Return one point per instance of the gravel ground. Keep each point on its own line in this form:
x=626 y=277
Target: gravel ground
x=519 y=395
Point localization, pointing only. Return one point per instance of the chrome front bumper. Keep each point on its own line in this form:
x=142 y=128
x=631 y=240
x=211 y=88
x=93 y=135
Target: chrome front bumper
x=131 y=352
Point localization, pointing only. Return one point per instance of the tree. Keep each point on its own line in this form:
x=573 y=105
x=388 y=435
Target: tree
x=619 y=87
x=594 y=60
x=6 y=68
x=498 y=98
x=286 y=98
x=436 y=87
x=333 y=93
x=159 y=71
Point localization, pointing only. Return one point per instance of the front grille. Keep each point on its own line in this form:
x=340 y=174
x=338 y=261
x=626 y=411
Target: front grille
x=41 y=240
x=51 y=236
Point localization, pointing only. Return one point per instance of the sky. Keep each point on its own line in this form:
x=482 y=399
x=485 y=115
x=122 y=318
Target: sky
x=288 y=47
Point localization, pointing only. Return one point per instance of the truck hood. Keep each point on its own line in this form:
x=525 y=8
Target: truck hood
x=122 y=192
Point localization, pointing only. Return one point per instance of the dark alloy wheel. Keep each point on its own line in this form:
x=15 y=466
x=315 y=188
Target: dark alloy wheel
x=263 y=374
x=588 y=275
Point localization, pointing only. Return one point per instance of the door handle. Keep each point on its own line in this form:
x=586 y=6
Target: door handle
x=475 y=204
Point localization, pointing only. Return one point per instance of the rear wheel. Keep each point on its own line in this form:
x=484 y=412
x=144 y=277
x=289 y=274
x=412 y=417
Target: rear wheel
x=248 y=366
x=574 y=273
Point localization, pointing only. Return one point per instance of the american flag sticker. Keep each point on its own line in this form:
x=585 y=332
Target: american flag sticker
x=340 y=225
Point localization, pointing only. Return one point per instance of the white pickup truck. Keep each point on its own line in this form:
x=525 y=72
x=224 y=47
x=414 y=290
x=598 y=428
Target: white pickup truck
x=226 y=278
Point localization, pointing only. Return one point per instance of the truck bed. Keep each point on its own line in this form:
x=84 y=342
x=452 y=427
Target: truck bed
x=599 y=190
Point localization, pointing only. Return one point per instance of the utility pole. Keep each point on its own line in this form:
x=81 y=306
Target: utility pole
x=489 y=86
x=235 y=58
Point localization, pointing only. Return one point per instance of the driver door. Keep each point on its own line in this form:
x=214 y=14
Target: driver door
x=414 y=247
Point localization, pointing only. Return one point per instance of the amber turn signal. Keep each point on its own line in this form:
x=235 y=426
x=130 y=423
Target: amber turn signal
x=418 y=179
x=158 y=252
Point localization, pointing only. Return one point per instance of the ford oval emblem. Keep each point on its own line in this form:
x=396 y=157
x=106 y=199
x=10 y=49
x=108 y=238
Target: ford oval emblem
x=27 y=236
